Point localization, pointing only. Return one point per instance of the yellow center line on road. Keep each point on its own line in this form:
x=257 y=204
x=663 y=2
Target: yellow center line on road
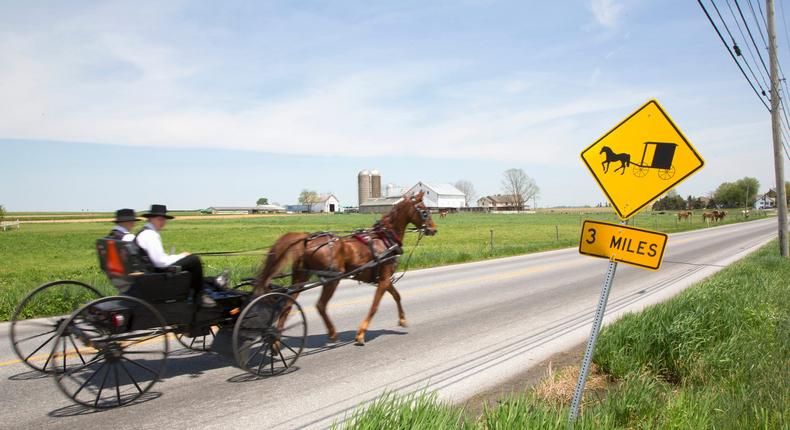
x=73 y=352
x=498 y=277
x=459 y=283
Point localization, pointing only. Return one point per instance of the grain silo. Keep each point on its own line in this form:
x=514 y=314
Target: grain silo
x=363 y=186
x=375 y=184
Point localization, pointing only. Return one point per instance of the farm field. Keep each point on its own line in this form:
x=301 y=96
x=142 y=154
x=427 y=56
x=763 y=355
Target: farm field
x=39 y=253
x=713 y=357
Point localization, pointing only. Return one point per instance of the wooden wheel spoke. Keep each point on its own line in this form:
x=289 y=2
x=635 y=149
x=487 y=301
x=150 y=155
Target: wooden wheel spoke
x=289 y=348
x=260 y=348
x=279 y=351
x=41 y=346
x=117 y=384
x=134 y=381
x=76 y=349
x=74 y=396
x=142 y=366
x=35 y=336
x=101 y=388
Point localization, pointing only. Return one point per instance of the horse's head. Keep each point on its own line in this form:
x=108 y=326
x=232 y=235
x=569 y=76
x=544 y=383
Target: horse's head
x=604 y=150
x=419 y=215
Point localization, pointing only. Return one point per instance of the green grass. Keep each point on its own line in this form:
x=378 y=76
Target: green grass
x=717 y=356
x=39 y=253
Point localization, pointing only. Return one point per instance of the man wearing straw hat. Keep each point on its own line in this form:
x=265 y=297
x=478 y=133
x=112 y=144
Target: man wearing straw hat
x=149 y=240
x=124 y=223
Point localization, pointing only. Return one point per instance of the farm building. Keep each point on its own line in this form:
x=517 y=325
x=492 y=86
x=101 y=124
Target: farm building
x=766 y=201
x=327 y=204
x=378 y=205
x=497 y=202
x=439 y=196
x=261 y=209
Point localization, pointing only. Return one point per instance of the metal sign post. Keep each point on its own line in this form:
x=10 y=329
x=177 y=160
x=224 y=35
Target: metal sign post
x=588 y=352
x=665 y=150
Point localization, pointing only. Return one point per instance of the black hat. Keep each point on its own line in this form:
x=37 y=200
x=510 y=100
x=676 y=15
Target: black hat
x=158 y=210
x=125 y=215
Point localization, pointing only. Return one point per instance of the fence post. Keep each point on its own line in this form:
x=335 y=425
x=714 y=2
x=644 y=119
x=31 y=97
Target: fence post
x=491 y=241
x=557 y=229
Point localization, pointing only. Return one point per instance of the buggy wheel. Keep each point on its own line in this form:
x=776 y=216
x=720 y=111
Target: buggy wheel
x=639 y=171
x=666 y=174
x=127 y=339
x=33 y=339
x=198 y=343
x=259 y=345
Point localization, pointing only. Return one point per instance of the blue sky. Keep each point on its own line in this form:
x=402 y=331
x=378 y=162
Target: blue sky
x=194 y=104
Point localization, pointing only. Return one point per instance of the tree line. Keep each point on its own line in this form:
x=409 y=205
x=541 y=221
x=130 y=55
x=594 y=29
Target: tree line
x=738 y=194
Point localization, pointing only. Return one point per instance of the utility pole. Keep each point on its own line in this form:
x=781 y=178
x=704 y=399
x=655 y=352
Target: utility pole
x=781 y=198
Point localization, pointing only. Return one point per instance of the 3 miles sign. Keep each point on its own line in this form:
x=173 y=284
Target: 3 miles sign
x=617 y=242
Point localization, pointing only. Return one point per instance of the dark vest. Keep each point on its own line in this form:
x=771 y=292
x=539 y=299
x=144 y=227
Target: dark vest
x=115 y=234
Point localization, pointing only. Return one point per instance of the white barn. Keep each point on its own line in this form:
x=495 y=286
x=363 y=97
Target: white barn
x=439 y=196
x=327 y=204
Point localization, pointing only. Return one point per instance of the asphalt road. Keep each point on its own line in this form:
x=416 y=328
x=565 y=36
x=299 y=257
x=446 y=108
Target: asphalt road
x=471 y=327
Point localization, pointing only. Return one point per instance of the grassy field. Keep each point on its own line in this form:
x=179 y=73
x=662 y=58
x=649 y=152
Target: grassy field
x=717 y=356
x=39 y=253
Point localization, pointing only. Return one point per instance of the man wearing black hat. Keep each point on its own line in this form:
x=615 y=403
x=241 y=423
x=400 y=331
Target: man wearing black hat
x=124 y=223
x=149 y=240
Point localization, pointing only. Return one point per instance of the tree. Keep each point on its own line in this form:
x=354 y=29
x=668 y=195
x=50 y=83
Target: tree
x=468 y=189
x=262 y=201
x=670 y=202
x=519 y=186
x=2 y=212
x=742 y=192
x=308 y=197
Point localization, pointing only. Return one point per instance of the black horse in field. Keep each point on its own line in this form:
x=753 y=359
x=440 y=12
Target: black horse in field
x=624 y=159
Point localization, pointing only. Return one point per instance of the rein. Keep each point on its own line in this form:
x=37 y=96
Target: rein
x=395 y=279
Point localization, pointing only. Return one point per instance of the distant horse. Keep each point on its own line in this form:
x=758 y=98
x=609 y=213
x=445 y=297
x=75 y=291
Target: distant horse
x=720 y=215
x=685 y=215
x=307 y=253
x=709 y=216
x=611 y=156
x=442 y=214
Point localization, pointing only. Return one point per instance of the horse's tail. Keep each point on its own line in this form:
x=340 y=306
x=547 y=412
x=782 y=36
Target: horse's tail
x=287 y=250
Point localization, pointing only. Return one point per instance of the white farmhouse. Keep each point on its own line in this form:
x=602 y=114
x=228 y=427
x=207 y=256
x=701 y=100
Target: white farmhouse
x=327 y=203
x=439 y=196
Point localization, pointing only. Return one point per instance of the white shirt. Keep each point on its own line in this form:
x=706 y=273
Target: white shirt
x=127 y=235
x=151 y=242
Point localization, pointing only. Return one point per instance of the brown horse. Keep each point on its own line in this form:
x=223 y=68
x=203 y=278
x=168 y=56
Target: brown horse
x=307 y=253
x=720 y=215
x=709 y=216
x=685 y=215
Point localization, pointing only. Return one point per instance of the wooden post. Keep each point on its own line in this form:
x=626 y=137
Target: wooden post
x=491 y=241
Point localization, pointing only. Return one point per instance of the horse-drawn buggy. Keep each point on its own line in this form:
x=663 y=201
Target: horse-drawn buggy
x=110 y=351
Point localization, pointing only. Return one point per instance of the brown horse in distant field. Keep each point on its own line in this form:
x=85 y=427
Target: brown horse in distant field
x=709 y=216
x=684 y=215
x=306 y=252
x=720 y=215
x=442 y=214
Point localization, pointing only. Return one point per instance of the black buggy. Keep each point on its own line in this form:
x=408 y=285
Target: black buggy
x=111 y=350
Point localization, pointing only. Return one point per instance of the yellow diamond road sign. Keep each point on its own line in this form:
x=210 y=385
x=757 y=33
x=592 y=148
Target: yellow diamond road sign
x=640 y=159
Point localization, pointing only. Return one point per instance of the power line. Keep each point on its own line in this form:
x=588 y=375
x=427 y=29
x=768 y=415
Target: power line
x=705 y=10
x=748 y=47
x=749 y=32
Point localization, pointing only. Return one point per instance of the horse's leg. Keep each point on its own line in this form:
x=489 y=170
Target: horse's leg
x=401 y=314
x=326 y=294
x=605 y=166
x=384 y=284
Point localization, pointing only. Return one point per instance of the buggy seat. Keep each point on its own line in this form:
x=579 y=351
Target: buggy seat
x=132 y=275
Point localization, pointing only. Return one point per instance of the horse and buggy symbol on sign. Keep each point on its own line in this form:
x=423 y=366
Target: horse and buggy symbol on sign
x=663 y=154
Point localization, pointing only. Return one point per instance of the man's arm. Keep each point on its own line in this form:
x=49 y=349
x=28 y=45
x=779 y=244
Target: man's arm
x=152 y=244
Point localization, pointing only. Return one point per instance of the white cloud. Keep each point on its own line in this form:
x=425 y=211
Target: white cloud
x=606 y=12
